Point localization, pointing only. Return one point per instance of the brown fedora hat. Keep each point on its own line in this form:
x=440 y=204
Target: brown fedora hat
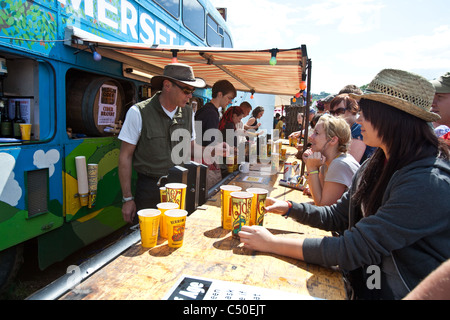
x=178 y=72
x=403 y=90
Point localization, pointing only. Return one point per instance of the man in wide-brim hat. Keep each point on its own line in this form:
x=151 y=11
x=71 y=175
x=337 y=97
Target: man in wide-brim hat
x=146 y=137
x=441 y=104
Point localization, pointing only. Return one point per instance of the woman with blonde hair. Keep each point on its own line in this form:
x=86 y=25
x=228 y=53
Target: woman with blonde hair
x=329 y=168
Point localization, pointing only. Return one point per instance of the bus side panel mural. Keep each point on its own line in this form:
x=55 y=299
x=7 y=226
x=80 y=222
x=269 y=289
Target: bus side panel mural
x=30 y=193
x=39 y=196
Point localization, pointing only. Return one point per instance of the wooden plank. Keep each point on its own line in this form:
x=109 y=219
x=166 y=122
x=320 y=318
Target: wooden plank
x=210 y=251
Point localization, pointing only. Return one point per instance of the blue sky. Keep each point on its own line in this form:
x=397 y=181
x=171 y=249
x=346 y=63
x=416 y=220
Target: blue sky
x=348 y=41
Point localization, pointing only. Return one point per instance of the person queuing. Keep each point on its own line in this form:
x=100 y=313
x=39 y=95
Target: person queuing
x=329 y=168
x=346 y=107
x=441 y=106
x=146 y=137
x=395 y=217
x=280 y=126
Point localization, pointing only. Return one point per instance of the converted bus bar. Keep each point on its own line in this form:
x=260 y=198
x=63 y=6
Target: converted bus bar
x=59 y=58
x=75 y=100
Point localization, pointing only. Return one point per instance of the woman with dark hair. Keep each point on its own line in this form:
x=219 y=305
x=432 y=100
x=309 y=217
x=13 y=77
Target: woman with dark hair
x=231 y=117
x=394 y=222
x=252 y=122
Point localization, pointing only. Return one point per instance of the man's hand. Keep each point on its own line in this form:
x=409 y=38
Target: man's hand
x=129 y=211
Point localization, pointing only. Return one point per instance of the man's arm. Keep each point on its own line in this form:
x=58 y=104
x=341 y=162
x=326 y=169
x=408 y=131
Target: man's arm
x=125 y=172
x=434 y=287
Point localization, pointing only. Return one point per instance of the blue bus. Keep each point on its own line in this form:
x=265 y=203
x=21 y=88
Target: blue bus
x=75 y=101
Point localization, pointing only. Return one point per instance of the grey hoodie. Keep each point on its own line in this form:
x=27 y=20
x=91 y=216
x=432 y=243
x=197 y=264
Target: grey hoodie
x=412 y=226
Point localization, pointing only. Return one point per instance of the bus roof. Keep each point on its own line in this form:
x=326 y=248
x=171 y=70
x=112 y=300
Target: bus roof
x=247 y=70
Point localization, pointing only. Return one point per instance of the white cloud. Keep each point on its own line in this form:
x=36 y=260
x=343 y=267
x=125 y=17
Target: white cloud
x=12 y=192
x=46 y=160
x=414 y=52
x=351 y=16
x=260 y=24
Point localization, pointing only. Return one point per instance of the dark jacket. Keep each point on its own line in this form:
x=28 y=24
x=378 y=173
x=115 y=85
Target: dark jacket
x=209 y=117
x=412 y=225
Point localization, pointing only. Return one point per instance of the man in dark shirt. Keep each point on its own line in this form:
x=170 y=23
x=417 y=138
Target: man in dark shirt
x=223 y=92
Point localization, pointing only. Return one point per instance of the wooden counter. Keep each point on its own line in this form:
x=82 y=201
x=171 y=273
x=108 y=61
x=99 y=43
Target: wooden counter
x=210 y=252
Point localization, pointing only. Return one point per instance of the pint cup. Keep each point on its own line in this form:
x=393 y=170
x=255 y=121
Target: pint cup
x=225 y=192
x=163 y=207
x=287 y=172
x=25 y=131
x=230 y=164
x=258 y=209
x=163 y=194
x=283 y=154
x=176 y=192
x=149 y=224
x=241 y=203
x=175 y=222
x=275 y=163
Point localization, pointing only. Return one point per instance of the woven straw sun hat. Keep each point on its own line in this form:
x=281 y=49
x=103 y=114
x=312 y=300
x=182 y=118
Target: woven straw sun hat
x=403 y=90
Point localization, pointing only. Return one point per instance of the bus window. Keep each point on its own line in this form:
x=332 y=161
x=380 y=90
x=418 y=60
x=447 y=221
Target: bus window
x=212 y=35
x=171 y=6
x=27 y=97
x=194 y=17
x=227 y=41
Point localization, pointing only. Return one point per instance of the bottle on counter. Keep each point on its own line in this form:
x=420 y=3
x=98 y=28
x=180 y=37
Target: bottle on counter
x=6 y=124
x=17 y=121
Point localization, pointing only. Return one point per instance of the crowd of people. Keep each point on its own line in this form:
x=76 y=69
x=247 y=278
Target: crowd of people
x=395 y=215
x=378 y=170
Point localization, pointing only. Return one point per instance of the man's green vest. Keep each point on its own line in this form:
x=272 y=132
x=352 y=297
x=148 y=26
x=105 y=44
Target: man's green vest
x=152 y=156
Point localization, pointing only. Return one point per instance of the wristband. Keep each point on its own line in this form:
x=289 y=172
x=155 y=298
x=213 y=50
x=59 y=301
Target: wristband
x=127 y=199
x=289 y=210
x=312 y=172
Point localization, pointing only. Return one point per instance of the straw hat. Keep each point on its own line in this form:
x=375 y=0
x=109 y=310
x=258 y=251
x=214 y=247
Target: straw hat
x=403 y=90
x=179 y=72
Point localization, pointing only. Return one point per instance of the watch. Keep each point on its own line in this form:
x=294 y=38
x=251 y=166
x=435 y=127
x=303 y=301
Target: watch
x=127 y=199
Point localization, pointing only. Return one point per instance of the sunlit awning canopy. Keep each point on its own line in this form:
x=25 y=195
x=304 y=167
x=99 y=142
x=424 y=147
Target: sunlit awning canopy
x=247 y=70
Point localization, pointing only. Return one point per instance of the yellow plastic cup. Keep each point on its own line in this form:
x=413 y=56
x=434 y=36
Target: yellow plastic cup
x=258 y=209
x=176 y=192
x=176 y=223
x=241 y=204
x=230 y=164
x=225 y=198
x=163 y=194
x=283 y=154
x=149 y=225
x=25 y=131
x=163 y=207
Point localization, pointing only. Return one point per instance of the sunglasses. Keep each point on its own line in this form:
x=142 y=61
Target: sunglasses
x=337 y=112
x=185 y=90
